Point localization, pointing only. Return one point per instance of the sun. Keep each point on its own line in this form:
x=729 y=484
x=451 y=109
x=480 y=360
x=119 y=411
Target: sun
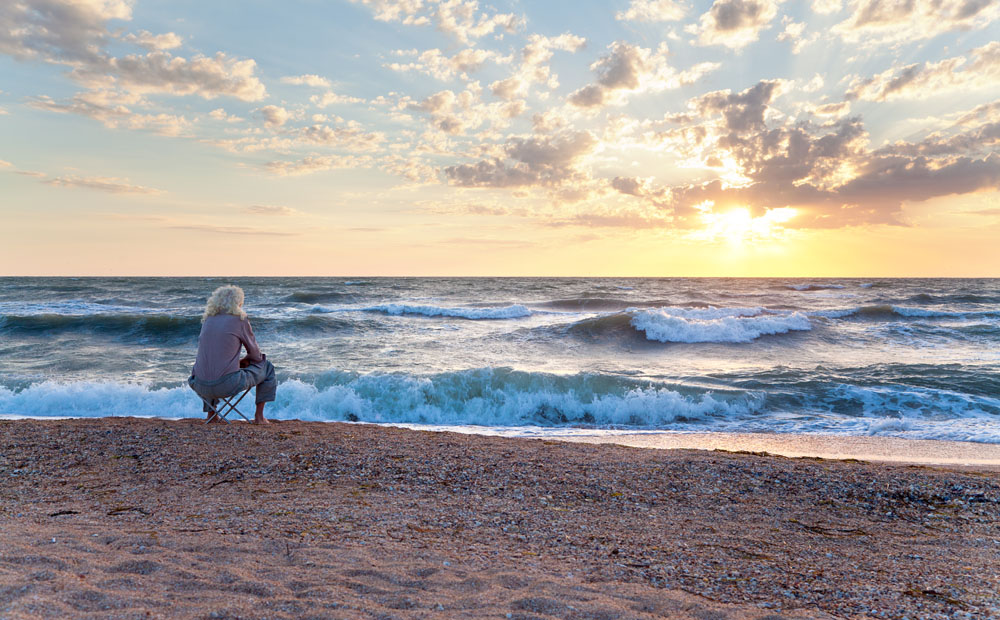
x=739 y=226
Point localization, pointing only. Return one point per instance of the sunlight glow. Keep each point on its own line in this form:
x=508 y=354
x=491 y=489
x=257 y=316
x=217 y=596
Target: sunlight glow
x=738 y=225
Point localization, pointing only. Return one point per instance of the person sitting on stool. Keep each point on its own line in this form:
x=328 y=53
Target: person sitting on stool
x=218 y=370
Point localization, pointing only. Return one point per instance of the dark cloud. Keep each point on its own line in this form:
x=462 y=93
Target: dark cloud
x=734 y=14
x=827 y=172
x=539 y=160
x=743 y=111
x=735 y=23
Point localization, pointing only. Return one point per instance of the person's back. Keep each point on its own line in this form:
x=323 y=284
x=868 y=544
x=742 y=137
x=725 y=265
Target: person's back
x=222 y=336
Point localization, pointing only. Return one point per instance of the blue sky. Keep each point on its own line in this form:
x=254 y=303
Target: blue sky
x=638 y=137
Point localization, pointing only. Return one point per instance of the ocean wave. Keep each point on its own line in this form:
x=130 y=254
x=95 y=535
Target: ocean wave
x=586 y=304
x=516 y=311
x=316 y=297
x=148 y=327
x=486 y=396
x=905 y=402
x=734 y=325
x=682 y=324
x=69 y=307
x=814 y=287
x=888 y=311
x=960 y=298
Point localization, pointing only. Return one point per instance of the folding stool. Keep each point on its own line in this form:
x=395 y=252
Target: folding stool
x=227 y=405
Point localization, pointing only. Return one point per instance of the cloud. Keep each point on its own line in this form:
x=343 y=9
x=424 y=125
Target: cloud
x=826 y=171
x=534 y=67
x=411 y=168
x=459 y=113
x=459 y=18
x=826 y=7
x=162 y=73
x=976 y=132
x=331 y=98
x=793 y=33
x=921 y=80
x=307 y=80
x=630 y=69
x=5 y=164
x=547 y=161
x=835 y=109
x=220 y=114
x=313 y=164
x=352 y=137
x=623 y=218
x=742 y=111
x=111 y=109
x=274 y=116
x=278 y=210
x=734 y=23
x=76 y=33
x=651 y=11
x=462 y=19
x=65 y=31
x=232 y=230
x=154 y=42
x=875 y=22
x=638 y=187
x=988 y=112
x=104 y=184
x=434 y=63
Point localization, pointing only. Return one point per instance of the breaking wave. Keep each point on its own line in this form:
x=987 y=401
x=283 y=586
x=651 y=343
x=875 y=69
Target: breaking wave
x=715 y=324
x=693 y=325
x=486 y=396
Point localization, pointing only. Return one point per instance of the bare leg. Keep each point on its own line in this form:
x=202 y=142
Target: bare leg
x=258 y=417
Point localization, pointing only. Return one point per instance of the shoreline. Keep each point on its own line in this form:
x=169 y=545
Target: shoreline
x=878 y=449
x=122 y=517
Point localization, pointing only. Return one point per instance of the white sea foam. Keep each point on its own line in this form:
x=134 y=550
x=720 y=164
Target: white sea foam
x=714 y=324
x=479 y=397
x=501 y=398
x=516 y=311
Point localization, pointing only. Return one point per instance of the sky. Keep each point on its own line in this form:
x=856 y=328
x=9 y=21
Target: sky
x=795 y=138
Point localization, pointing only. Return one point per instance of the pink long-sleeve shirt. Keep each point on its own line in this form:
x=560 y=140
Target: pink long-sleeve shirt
x=219 y=343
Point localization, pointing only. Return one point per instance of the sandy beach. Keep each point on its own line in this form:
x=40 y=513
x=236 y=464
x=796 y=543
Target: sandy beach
x=130 y=518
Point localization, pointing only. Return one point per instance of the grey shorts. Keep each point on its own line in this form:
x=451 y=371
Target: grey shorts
x=260 y=374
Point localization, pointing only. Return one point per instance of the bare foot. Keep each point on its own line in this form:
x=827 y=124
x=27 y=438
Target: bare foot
x=213 y=418
x=261 y=420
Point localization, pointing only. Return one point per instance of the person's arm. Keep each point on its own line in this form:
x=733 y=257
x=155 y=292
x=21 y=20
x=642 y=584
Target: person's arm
x=253 y=351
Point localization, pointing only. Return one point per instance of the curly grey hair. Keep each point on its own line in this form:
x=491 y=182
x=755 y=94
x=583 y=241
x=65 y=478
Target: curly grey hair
x=225 y=300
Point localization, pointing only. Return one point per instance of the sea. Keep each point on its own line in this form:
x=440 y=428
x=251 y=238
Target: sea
x=914 y=358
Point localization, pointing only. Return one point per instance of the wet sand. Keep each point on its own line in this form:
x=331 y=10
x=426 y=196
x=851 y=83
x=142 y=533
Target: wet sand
x=979 y=456
x=125 y=518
